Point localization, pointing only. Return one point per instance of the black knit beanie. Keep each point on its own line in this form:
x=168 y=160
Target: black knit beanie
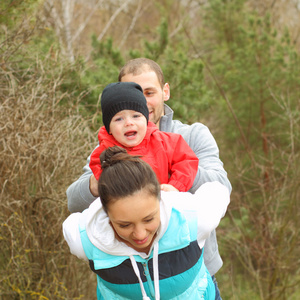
x=118 y=96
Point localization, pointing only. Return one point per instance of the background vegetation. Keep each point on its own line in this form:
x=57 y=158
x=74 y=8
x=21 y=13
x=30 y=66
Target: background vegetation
x=231 y=64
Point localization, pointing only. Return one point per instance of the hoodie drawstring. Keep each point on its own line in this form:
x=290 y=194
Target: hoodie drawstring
x=155 y=271
x=137 y=273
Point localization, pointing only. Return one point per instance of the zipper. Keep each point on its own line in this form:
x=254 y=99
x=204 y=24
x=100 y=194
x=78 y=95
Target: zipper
x=149 y=280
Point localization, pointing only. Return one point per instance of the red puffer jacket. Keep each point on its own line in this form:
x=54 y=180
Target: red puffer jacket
x=171 y=158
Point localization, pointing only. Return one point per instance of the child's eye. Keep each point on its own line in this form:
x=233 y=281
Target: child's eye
x=136 y=115
x=118 y=119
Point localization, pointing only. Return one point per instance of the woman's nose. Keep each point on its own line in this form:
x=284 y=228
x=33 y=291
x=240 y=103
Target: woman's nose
x=139 y=233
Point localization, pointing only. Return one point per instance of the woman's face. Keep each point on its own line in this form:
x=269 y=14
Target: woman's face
x=136 y=219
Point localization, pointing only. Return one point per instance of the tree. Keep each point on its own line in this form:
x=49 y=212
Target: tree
x=257 y=75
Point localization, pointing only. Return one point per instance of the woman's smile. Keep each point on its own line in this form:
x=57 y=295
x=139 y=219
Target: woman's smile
x=141 y=242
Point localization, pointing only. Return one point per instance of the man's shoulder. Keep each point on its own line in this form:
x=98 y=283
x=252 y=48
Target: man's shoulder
x=190 y=133
x=183 y=129
x=195 y=134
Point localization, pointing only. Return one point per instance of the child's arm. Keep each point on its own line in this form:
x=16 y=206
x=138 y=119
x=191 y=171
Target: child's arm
x=95 y=164
x=183 y=163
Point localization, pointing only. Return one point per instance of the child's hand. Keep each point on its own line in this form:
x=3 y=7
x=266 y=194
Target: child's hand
x=168 y=188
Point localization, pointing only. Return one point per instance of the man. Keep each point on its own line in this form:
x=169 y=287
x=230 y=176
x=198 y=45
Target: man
x=149 y=76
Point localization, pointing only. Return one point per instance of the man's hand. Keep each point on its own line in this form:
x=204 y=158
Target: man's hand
x=168 y=188
x=94 y=186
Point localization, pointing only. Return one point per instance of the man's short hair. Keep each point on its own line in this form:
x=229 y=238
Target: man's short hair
x=139 y=65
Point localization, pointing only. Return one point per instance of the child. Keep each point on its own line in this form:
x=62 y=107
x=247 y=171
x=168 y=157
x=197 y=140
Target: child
x=125 y=118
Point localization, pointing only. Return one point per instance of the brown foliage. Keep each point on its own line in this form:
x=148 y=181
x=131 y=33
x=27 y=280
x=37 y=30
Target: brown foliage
x=43 y=144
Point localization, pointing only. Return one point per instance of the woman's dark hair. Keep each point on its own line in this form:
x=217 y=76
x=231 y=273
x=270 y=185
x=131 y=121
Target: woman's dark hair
x=123 y=175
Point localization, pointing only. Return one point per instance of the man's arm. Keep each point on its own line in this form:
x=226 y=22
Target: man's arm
x=210 y=166
x=83 y=191
x=206 y=149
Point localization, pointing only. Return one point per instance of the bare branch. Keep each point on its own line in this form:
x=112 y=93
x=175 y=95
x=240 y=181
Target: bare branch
x=58 y=25
x=111 y=20
x=134 y=19
x=49 y=6
x=87 y=19
x=68 y=7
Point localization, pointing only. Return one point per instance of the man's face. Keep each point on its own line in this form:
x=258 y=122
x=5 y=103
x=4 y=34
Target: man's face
x=153 y=92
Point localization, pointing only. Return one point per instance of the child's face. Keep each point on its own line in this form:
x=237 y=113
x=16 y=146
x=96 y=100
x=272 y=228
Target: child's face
x=128 y=127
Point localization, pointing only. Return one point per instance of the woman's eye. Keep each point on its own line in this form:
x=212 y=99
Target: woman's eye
x=149 y=220
x=123 y=226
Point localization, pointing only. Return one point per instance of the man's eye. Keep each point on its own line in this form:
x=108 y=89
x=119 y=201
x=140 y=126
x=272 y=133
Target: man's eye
x=149 y=93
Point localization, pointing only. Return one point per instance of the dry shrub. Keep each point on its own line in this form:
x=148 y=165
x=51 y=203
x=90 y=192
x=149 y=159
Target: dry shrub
x=43 y=144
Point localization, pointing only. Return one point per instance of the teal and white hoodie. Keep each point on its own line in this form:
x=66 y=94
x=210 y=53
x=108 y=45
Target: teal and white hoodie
x=173 y=269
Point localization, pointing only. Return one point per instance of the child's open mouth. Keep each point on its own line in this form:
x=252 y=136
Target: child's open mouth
x=131 y=133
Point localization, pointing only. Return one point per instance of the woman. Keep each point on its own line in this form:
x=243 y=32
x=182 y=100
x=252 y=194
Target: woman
x=141 y=242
